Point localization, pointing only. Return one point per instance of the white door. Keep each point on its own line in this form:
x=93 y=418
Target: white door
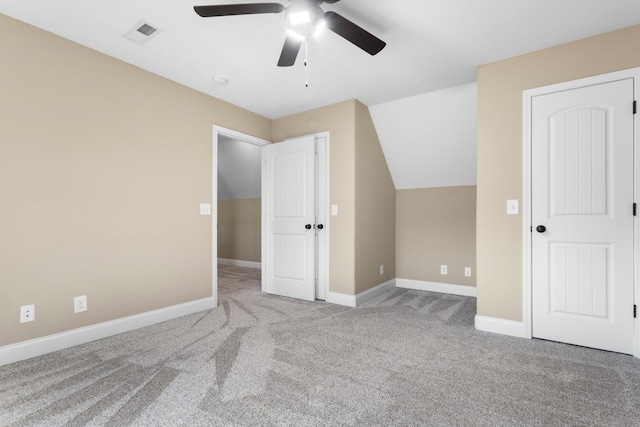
x=582 y=216
x=290 y=218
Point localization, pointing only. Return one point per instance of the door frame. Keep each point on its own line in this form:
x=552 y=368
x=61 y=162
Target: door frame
x=322 y=196
x=527 y=98
x=230 y=133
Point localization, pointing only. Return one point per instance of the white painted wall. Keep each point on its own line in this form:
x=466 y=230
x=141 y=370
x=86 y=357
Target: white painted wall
x=429 y=140
x=239 y=172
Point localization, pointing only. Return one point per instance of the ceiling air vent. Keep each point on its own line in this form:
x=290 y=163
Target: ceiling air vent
x=142 y=32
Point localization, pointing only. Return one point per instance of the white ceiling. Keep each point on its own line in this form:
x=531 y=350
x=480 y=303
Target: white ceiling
x=429 y=140
x=431 y=44
x=419 y=88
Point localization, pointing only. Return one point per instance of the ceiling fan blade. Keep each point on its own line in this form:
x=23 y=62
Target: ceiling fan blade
x=353 y=33
x=330 y=1
x=238 y=9
x=289 y=51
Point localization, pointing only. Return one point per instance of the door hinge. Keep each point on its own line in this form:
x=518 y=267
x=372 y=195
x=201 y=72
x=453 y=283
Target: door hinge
x=635 y=206
x=635 y=109
x=635 y=311
x=531 y=229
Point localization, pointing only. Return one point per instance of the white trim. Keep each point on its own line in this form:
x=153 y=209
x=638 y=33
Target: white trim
x=39 y=346
x=323 y=143
x=341 y=299
x=527 y=98
x=219 y=130
x=444 y=288
x=636 y=228
x=370 y=294
x=240 y=263
x=526 y=215
x=501 y=326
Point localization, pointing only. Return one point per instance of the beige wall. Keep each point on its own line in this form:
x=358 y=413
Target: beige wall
x=436 y=226
x=339 y=120
x=239 y=229
x=375 y=213
x=102 y=169
x=500 y=87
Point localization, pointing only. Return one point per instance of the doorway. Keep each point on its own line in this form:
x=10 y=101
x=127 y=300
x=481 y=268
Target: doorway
x=246 y=144
x=580 y=235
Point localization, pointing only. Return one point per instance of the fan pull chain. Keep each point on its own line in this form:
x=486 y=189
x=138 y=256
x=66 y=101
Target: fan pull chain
x=306 y=61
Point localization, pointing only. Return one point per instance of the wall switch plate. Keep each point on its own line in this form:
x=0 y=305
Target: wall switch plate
x=512 y=207
x=381 y=269
x=467 y=271
x=334 y=210
x=80 y=304
x=443 y=270
x=27 y=313
x=205 y=208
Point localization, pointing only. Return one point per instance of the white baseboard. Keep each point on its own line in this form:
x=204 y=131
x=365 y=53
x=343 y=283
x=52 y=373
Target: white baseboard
x=444 y=288
x=355 y=300
x=341 y=299
x=39 y=346
x=239 y=263
x=501 y=326
x=375 y=291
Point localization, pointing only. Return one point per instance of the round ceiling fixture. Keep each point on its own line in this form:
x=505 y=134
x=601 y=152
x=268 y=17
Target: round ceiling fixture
x=220 y=81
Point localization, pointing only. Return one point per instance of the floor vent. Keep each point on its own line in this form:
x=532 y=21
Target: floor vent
x=142 y=32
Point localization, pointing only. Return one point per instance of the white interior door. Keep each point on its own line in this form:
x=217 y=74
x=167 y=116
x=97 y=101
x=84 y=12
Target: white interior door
x=582 y=216
x=290 y=218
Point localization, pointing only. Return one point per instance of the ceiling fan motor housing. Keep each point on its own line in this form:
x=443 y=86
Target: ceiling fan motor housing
x=304 y=15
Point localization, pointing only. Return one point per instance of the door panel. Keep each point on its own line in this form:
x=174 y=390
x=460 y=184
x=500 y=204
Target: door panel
x=582 y=192
x=289 y=208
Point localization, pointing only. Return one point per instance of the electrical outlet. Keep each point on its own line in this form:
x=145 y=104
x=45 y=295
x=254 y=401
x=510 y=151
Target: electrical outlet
x=27 y=313
x=443 y=270
x=467 y=271
x=381 y=269
x=80 y=304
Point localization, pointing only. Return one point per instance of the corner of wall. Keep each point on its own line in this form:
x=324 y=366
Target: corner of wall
x=375 y=208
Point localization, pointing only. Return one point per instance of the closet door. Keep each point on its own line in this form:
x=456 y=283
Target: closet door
x=582 y=216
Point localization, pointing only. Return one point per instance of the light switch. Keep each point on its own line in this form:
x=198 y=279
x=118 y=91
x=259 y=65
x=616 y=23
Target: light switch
x=205 y=208
x=334 y=210
x=512 y=207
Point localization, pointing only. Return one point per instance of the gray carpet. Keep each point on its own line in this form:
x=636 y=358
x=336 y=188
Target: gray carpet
x=405 y=358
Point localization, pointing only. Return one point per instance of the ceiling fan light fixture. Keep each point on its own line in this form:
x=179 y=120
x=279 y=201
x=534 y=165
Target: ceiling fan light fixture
x=300 y=17
x=320 y=27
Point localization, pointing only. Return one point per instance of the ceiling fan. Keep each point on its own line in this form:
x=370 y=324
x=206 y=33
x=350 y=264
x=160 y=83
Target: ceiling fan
x=302 y=15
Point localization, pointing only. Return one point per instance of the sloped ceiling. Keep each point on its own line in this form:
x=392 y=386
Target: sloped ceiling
x=239 y=171
x=429 y=140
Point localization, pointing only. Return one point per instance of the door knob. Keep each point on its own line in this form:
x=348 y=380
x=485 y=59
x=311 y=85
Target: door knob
x=308 y=226
x=320 y=226
x=541 y=229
